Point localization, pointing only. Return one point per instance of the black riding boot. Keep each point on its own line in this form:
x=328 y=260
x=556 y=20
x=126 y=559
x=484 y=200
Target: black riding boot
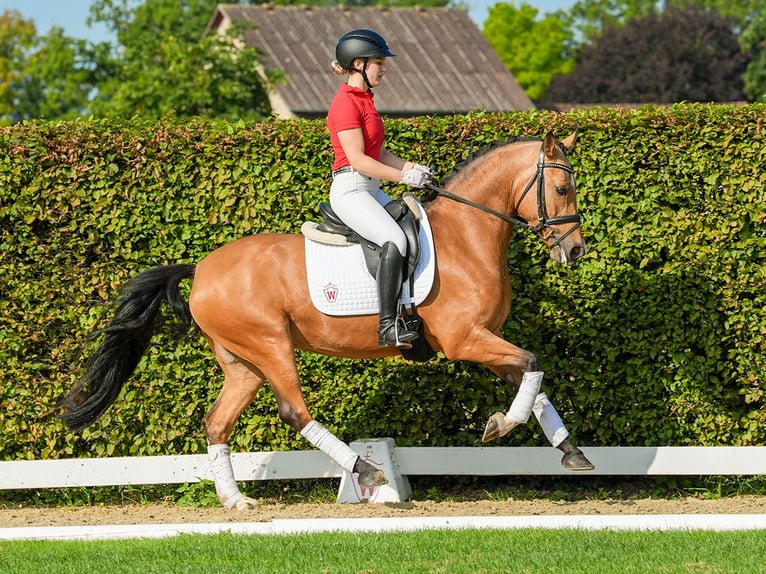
x=391 y=331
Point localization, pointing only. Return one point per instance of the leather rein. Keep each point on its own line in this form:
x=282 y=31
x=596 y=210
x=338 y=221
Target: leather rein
x=542 y=213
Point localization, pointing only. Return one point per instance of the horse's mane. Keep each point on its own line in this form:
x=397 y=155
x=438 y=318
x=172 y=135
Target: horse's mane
x=485 y=150
x=492 y=146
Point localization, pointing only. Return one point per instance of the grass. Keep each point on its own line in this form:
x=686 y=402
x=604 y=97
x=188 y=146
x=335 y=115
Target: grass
x=566 y=551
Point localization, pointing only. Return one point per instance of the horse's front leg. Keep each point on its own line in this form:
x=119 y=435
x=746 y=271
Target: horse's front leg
x=558 y=435
x=500 y=424
x=521 y=368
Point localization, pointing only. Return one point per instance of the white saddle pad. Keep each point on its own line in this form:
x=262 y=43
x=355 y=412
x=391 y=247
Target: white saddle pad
x=340 y=284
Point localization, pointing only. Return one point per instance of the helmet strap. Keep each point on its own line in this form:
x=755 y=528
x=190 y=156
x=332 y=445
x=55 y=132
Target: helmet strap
x=363 y=72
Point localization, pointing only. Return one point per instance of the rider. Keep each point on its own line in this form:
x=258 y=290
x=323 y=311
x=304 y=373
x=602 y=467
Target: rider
x=361 y=161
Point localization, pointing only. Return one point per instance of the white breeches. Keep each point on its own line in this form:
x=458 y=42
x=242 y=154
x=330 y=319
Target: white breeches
x=358 y=201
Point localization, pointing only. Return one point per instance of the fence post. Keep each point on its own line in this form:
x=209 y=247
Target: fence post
x=380 y=453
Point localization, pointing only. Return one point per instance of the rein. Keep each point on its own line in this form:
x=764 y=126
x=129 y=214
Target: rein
x=542 y=212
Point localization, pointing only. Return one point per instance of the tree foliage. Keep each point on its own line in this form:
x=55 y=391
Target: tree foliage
x=679 y=55
x=360 y=3
x=589 y=18
x=164 y=64
x=160 y=64
x=533 y=50
x=50 y=76
x=753 y=42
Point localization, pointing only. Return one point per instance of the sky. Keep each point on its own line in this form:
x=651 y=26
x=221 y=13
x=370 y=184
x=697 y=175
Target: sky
x=72 y=14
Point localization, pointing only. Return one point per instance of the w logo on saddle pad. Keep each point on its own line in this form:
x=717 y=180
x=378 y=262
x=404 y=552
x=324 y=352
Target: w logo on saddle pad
x=340 y=284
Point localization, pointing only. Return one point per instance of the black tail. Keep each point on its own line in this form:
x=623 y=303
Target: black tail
x=125 y=341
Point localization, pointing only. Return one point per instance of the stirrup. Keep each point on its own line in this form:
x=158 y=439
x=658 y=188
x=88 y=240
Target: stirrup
x=402 y=337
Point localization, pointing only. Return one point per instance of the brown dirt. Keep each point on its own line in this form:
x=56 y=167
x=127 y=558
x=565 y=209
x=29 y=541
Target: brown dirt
x=170 y=514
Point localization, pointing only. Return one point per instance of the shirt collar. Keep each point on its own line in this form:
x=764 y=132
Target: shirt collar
x=356 y=91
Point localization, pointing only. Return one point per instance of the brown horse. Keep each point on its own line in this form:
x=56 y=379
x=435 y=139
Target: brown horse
x=250 y=299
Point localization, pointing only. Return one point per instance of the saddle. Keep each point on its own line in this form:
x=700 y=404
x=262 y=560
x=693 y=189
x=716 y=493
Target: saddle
x=404 y=213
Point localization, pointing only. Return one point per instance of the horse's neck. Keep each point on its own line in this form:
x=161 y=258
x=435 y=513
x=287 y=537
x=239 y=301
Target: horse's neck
x=469 y=233
x=491 y=181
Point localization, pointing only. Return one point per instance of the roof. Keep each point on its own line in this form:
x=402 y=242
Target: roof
x=444 y=65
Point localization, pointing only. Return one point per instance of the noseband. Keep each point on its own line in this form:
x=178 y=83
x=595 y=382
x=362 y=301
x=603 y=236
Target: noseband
x=542 y=213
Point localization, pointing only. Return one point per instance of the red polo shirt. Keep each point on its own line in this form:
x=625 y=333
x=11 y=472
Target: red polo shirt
x=354 y=108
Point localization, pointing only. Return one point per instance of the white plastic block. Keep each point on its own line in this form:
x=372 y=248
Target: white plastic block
x=380 y=453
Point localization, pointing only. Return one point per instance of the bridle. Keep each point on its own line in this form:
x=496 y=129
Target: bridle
x=542 y=213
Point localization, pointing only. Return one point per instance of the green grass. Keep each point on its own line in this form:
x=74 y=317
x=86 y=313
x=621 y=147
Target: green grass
x=470 y=551
x=534 y=551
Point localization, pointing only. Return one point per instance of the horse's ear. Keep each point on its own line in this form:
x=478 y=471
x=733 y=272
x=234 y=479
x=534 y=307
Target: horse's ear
x=568 y=143
x=549 y=143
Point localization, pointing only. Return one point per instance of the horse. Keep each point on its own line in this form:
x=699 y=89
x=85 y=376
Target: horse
x=250 y=300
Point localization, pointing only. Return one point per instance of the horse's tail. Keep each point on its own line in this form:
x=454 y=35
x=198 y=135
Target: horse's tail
x=125 y=341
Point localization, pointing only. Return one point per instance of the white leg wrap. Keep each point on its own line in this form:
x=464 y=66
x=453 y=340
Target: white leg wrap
x=331 y=445
x=521 y=407
x=549 y=420
x=223 y=474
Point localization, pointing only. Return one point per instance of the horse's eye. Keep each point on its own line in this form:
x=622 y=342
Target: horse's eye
x=562 y=189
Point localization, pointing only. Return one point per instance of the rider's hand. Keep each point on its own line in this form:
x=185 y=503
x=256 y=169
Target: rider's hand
x=418 y=176
x=424 y=169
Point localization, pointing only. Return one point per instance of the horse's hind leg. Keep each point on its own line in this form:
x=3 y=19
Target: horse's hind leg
x=283 y=376
x=241 y=383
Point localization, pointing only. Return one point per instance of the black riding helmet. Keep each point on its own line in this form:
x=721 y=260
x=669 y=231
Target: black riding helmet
x=364 y=44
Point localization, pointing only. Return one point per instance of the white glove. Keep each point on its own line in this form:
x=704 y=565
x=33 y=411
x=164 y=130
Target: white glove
x=417 y=176
x=424 y=169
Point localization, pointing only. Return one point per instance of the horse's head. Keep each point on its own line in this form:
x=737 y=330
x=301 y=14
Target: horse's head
x=548 y=203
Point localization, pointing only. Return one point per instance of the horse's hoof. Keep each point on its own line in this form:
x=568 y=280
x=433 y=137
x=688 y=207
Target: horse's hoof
x=497 y=426
x=576 y=461
x=246 y=503
x=369 y=476
x=372 y=478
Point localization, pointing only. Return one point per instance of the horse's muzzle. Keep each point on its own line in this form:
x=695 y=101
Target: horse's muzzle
x=568 y=252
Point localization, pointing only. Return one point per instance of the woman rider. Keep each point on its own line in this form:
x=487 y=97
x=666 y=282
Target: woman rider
x=361 y=162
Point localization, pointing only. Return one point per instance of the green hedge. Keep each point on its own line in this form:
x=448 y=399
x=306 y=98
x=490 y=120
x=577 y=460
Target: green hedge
x=655 y=338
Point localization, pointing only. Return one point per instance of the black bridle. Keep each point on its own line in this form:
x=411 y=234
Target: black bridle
x=542 y=213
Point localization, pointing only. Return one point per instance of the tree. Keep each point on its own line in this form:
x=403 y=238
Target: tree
x=48 y=76
x=17 y=38
x=533 y=50
x=753 y=42
x=163 y=64
x=680 y=55
x=588 y=18
x=359 y=3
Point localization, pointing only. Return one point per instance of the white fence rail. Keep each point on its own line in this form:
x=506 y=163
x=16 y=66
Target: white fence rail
x=409 y=461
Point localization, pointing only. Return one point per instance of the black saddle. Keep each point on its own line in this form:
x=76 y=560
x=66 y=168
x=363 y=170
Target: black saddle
x=400 y=212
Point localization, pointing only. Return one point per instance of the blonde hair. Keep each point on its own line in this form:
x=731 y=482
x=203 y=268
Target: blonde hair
x=338 y=69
